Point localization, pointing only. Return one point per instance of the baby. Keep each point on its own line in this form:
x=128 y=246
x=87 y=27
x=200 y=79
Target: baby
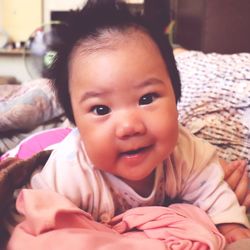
x=116 y=78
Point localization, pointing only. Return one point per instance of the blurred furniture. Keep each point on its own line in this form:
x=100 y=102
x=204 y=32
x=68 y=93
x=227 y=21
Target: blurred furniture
x=8 y=80
x=220 y=26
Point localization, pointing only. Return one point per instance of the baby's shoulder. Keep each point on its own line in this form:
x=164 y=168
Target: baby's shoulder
x=191 y=150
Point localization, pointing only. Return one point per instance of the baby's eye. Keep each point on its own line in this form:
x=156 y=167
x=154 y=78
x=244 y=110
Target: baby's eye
x=100 y=110
x=147 y=99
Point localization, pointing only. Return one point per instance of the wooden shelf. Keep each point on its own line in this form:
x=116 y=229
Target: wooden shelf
x=11 y=52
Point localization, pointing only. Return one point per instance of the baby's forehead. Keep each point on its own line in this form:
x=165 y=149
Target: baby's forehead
x=113 y=39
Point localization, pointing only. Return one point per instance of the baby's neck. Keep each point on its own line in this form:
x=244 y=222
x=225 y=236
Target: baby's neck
x=143 y=187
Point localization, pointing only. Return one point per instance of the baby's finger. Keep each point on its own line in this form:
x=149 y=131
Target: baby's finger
x=231 y=167
x=241 y=190
x=236 y=177
x=246 y=202
x=226 y=168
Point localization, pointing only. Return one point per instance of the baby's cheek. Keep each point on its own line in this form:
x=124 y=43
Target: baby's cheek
x=168 y=140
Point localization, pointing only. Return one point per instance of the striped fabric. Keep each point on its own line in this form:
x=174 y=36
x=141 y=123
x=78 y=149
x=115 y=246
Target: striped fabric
x=215 y=103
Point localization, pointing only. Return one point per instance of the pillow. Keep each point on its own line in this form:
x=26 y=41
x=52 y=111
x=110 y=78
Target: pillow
x=36 y=143
x=215 y=102
x=25 y=106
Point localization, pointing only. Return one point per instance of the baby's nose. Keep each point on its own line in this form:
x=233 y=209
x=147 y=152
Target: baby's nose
x=130 y=124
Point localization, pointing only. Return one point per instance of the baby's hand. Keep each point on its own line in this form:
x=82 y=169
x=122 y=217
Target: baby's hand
x=233 y=232
x=237 y=178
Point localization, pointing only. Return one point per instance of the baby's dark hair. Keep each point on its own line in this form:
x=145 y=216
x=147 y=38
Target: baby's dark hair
x=89 y=24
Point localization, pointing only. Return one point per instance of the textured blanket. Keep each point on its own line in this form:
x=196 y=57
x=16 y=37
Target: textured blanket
x=215 y=102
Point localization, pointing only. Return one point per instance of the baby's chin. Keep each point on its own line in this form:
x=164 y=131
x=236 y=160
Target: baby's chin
x=138 y=178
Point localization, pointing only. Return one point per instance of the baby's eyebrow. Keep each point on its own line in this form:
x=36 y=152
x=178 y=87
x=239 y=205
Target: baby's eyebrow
x=105 y=92
x=93 y=94
x=149 y=82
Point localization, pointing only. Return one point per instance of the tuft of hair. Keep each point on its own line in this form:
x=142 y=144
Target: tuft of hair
x=88 y=24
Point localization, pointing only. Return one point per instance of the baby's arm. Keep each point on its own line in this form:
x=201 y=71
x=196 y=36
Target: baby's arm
x=233 y=232
x=237 y=178
x=208 y=191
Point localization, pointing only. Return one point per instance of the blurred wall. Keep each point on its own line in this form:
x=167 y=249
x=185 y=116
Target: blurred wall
x=20 y=18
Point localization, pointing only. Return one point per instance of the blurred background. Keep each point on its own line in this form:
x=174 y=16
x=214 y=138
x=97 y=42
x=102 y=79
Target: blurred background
x=220 y=26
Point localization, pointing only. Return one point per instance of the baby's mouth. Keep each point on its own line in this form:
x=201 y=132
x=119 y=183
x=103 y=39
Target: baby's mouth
x=134 y=152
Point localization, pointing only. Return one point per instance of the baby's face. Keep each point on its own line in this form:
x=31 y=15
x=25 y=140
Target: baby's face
x=124 y=107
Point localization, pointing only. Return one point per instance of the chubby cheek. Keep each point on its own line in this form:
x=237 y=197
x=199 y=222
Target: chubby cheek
x=171 y=136
x=166 y=131
x=99 y=146
x=95 y=137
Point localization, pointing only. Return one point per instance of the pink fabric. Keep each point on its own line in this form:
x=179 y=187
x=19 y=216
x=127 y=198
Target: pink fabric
x=53 y=222
x=37 y=142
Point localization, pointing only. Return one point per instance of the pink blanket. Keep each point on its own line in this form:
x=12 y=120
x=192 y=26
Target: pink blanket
x=53 y=222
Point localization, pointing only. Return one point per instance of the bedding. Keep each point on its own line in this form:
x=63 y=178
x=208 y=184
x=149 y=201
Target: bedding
x=215 y=105
x=51 y=218
x=26 y=109
x=42 y=225
x=215 y=102
x=36 y=143
x=25 y=106
x=10 y=139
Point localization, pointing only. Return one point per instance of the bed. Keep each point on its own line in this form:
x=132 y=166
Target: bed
x=215 y=105
x=27 y=109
